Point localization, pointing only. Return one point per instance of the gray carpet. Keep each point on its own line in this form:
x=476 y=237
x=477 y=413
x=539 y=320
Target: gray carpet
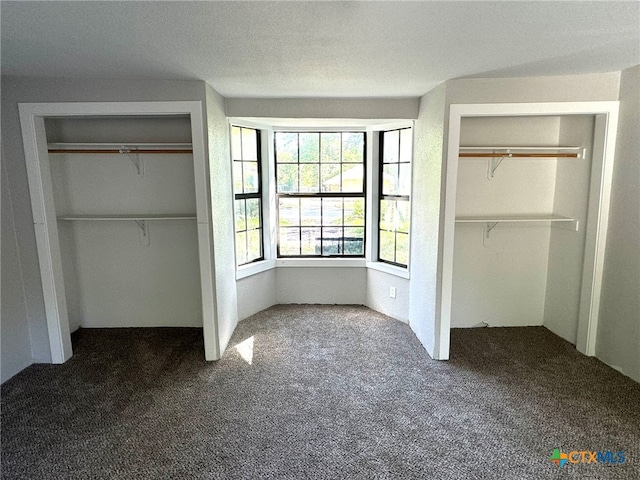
x=331 y=392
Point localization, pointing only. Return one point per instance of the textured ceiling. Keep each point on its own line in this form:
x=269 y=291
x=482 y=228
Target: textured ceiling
x=317 y=49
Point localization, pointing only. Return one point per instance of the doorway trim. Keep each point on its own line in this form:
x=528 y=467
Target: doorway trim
x=606 y=127
x=34 y=138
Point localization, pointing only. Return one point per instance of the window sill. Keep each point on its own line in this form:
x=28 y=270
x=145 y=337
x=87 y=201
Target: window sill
x=390 y=269
x=254 y=268
x=321 y=262
x=259 y=267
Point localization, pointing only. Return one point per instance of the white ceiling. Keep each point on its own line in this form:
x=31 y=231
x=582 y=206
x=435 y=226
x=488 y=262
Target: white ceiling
x=317 y=49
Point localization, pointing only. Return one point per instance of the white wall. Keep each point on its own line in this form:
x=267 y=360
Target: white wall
x=16 y=345
x=22 y=89
x=222 y=219
x=168 y=128
x=564 y=88
x=256 y=293
x=323 y=285
x=378 y=298
x=501 y=281
x=618 y=341
x=364 y=108
x=427 y=267
x=566 y=253
x=424 y=295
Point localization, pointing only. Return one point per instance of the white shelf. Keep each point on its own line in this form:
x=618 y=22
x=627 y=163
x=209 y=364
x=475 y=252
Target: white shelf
x=523 y=152
x=513 y=218
x=134 y=217
x=489 y=222
x=117 y=146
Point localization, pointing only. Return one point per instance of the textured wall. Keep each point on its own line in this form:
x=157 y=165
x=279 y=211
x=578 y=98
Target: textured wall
x=255 y=293
x=425 y=220
x=19 y=89
x=378 y=298
x=222 y=220
x=16 y=345
x=365 y=108
x=329 y=285
x=618 y=341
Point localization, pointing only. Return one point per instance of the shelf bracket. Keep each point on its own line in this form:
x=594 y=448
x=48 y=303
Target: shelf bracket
x=486 y=231
x=135 y=159
x=494 y=163
x=144 y=232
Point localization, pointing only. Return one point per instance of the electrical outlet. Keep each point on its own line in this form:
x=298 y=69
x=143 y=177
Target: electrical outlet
x=392 y=292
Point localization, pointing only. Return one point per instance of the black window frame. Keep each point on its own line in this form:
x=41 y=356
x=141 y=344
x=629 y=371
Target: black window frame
x=246 y=196
x=321 y=195
x=389 y=197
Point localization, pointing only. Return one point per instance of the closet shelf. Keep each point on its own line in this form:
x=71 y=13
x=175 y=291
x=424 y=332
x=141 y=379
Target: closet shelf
x=512 y=218
x=491 y=221
x=521 y=152
x=134 y=217
x=119 y=148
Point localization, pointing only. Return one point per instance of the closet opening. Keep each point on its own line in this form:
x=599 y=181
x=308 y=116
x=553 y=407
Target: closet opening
x=526 y=211
x=124 y=195
x=121 y=212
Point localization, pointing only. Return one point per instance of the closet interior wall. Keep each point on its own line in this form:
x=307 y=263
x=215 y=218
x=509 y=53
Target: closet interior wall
x=520 y=274
x=566 y=253
x=112 y=277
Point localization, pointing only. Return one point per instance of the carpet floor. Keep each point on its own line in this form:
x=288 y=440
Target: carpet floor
x=319 y=392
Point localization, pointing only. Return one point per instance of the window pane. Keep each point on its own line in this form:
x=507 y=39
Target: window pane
x=387 y=246
x=246 y=180
x=331 y=241
x=341 y=169
x=255 y=244
x=352 y=147
x=249 y=144
x=310 y=211
x=290 y=241
x=402 y=248
x=352 y=178
x=309 y=147
x=332 y=211
x=289 y=212
x=237 y=177
x=288 y=178
x=250 y=182
x=286 y=147
x=387 y=215
x=331 y=180
x=236 y=150
x=406 y=145
x=391 y=146
x=241 y=247
x=253 y=213
x=395 y=215
x=403 y=216
x=240 y=216
x=354 y=240
x=390 y=179
x=310 y=241
x=330 y=147
x=309 y=181
x=354 y=211
x=404 y=179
